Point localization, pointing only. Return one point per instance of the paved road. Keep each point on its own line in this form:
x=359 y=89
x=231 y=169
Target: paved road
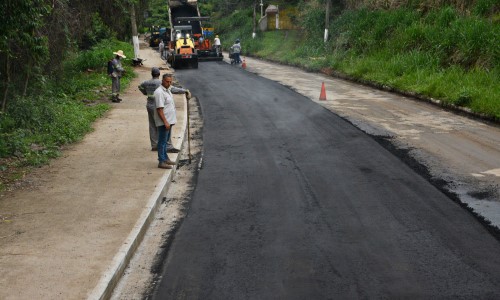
x=461 y=155
x=294 y=203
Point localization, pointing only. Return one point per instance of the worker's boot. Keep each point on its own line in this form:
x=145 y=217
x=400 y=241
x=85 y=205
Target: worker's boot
x=115 y=99
x=118 y=97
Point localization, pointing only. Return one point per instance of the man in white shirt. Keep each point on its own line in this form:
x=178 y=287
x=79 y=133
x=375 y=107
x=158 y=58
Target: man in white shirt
x=217 y=44
x=165 y=117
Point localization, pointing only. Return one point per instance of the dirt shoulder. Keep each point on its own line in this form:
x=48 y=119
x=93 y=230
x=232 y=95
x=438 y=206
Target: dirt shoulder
x=60 y=235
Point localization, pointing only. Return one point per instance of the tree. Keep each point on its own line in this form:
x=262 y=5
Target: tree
x=327 y=20
x=254 y=22
x=22 y=45
x=37 y=35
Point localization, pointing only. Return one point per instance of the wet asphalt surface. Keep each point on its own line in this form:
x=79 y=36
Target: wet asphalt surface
x=293 y=202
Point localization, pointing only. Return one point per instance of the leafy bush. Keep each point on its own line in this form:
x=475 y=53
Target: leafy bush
x=97 y=57
x=34 y=127
x=237 y=26
x=96 y=33
x=313 y=21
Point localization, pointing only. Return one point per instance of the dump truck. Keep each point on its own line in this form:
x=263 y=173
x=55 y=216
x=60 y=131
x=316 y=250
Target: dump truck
x=185 y=47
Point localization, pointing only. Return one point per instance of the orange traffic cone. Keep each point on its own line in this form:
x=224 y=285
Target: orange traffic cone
x=322 y=96
x=244 y=64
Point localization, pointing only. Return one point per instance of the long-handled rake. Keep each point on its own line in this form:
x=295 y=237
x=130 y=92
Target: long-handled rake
x=188 y=132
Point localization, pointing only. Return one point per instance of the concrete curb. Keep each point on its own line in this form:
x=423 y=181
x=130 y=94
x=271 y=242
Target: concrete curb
x=113 y=274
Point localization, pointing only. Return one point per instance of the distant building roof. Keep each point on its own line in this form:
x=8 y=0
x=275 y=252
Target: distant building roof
x=272 y=9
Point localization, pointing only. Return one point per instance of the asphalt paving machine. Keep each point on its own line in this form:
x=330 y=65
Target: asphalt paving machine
x=182 y=51
x=189 y=42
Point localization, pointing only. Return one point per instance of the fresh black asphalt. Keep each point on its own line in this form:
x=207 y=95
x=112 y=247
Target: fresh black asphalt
x=293 y=202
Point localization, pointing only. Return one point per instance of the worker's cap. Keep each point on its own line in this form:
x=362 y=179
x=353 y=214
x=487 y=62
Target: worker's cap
x=155 y=71
x=119 y=53
x=238 y=40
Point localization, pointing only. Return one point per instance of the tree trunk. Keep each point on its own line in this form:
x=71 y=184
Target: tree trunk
x=327 y=19
x=254 y=17
x=26 y=83
x=135 y=37
x=7 y=84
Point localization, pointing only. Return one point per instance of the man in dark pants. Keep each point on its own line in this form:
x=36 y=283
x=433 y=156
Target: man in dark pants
x=148 y=88
x=116 y=75
x=236 y=50
x=165 y=117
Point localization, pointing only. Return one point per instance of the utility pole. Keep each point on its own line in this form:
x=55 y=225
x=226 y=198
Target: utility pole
x=277 y=17
x=327 y=19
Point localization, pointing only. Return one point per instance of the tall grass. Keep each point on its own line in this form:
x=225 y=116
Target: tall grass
x=441 y=53
x=237 y=26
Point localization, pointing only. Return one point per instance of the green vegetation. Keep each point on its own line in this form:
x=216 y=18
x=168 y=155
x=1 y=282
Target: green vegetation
x=441 y=52
x=240 y=24
x=52 y=74
x=53 y=64
x=34 y=127
x=157 y=15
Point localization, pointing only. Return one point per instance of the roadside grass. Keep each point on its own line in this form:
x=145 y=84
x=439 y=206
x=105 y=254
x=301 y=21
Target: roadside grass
x=36 y=127
x=440 y=54
x=276 y=46
x=418 y=72
x=238 y=26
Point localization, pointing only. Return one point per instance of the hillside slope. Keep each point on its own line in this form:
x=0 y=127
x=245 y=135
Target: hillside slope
x=448 y=52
